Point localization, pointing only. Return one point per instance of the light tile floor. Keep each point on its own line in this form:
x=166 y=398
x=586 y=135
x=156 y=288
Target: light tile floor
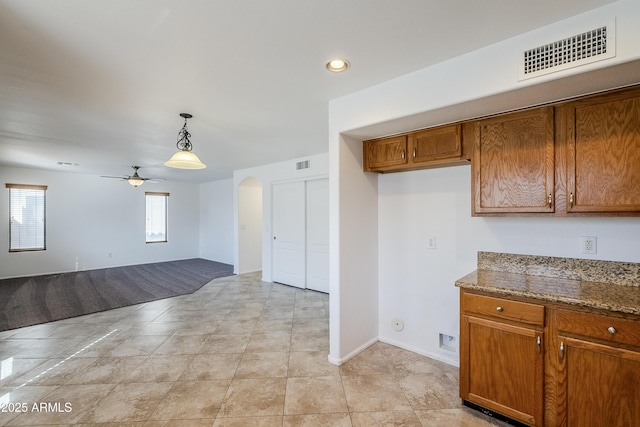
x=238 y=352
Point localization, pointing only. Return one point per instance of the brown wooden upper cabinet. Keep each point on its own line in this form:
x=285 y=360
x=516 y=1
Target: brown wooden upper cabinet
x=580 y=157
x=434 y=147
x=603 y=153
x=385 y=153
x=513 y=163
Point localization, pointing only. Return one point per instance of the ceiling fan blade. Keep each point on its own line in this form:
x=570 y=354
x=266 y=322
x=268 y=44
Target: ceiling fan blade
x=135 y=177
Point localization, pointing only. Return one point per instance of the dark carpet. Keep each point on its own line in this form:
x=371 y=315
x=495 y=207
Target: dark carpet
x=33 y=300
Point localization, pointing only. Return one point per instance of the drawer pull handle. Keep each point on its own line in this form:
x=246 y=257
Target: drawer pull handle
x=499 y=308
x=403 y=154
x=612 y=330
x=561 y=350
x=539 y=343
x=550 y=201
x=571 y=200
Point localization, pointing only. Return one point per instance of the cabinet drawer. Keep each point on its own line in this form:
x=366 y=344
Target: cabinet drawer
x=499 y=308
x=613 y=329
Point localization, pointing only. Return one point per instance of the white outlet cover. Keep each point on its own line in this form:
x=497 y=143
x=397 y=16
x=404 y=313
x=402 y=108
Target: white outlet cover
x=589 y=245
x=397 y=324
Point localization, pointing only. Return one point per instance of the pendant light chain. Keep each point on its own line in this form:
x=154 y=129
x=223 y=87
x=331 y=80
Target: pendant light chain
x=184 y=138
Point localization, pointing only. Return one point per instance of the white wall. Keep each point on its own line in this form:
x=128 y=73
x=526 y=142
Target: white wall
x=416 y=283
x=485 y=81
x=89 y=217
x=267 y=175
x=353 y=253
x=250 y=226
x=411 y=282
x=216 y=221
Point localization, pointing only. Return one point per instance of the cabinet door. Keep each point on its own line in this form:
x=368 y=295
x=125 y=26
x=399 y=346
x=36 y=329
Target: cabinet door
x=502 y=368
x=603 y=153
x=385 y=153
x=432 y=145
x=598 y=385
x=513 y=163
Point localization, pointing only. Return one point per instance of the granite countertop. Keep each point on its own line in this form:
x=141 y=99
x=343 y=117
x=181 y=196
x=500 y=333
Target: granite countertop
x=603 y=285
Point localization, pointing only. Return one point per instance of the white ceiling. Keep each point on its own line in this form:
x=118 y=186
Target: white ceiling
x=101 y=83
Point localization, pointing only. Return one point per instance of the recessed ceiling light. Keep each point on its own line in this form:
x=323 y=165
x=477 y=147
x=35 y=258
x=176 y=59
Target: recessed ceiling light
x=337 y=65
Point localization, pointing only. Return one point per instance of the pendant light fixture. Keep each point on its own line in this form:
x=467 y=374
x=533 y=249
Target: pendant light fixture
x=184 y=158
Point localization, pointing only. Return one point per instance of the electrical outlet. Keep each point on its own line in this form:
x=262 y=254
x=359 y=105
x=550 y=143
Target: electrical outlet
x=588 y=245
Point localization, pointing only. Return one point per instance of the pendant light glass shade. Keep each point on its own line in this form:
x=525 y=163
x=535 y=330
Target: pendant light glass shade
x=184 y=158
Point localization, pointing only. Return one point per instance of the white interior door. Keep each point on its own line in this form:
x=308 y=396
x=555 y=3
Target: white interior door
x=317 y=248
x=289 y=233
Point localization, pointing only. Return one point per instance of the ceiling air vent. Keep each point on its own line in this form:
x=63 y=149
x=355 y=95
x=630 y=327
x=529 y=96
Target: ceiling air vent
x=306 y=164
x=580 y=49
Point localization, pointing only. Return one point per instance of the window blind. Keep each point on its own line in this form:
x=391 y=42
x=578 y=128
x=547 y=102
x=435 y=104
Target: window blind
x=27 y=217
x=156 y=228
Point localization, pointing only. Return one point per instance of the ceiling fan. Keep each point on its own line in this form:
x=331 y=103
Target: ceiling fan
x=135 y=179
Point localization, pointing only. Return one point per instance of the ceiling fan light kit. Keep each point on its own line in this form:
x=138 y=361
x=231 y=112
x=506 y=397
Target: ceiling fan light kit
x=135 y=179
x=184 y=158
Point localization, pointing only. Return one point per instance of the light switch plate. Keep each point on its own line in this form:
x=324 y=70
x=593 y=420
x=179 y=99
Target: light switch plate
x=431 y=242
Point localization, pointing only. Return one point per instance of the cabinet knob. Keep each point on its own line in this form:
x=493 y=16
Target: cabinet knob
x=498 y=308
x=571 y=200
x=403 y=154
x=539 y=344
x=612 y=330
x=561 y=350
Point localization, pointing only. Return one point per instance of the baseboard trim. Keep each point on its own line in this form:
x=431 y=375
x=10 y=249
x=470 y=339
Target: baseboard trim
x=247 y=272
x=339 y=361
x=454 y=361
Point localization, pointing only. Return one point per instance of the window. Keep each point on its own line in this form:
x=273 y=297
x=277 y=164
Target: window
x=156 y=217
x=27 y=220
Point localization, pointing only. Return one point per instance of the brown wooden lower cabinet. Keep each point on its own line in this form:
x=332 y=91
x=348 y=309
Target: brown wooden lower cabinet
x=598 y=378
x=501 y=359
x=549 y=364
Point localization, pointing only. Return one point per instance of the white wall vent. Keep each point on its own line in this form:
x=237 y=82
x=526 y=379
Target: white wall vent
x=580 y=49
x=306 y=164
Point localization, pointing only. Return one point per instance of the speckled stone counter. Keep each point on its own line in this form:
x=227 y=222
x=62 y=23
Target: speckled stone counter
x=606 y=285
